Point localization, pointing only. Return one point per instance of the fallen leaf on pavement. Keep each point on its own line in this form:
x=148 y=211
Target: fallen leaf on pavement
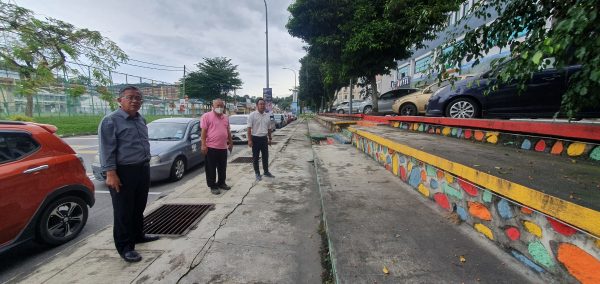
x=385 y=270
x=462 y=259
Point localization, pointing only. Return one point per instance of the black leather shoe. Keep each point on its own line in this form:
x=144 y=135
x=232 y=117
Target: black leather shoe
x=131 y=256
x=215 y=190
x=225 y=187
x=146 y=239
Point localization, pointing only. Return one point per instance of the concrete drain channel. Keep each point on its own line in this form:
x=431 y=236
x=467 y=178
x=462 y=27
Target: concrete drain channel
x=175 y=219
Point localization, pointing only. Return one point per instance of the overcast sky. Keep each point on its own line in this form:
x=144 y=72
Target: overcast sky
x=183 y=32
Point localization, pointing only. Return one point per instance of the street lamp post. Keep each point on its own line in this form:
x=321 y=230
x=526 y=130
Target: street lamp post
x=267 y=39
x=294 y=96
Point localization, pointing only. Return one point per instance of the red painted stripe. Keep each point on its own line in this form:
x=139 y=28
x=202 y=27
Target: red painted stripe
x=576 y=131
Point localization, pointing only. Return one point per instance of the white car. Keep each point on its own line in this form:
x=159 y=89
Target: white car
x=238 y=123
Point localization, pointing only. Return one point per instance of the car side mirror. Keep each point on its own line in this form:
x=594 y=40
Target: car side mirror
x=194 y=136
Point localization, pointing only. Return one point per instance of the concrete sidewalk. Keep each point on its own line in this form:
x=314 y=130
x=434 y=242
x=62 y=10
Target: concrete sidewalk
x=267 y=231
x=376 y=222
x=259 y=232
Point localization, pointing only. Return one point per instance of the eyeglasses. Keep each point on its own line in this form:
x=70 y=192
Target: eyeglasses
x=134 y=98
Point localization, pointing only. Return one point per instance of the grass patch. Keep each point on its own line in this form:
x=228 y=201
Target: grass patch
x=327 y=274
x=80 y=125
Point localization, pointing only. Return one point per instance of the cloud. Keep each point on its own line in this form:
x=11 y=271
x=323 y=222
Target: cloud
x=183 y=32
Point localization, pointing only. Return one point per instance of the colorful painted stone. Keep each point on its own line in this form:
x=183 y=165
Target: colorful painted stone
x=459 y=133
x=453 y=132
x=526 y=211
x=504 y=209
x=527 y=261
x=415 y=177
x=423 y=190
x=526 y=145
x=433 y=183
x=512 y=233
x=442 y=200
x=451 y=191
x=479 y=210
x=557 y=148
x=575 y=149
x=403 y=173
x=580 y=264
x=446 y=131
x=395 y=165
x=468 y=187
x=540 y=146
x=533 y=228
x=468 y=134
x=561 y=228
x=492 y=137
x=487 y=196
x=595 y=154
x=431 y=171
x=423 y=175
x=484 y=230
x=462 y=213
x=440 y=174
x=540 y=254
x=479 y=135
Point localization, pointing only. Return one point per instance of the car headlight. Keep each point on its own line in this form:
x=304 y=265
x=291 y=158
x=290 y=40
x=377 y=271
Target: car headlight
x=154 y=160
x=439 y=91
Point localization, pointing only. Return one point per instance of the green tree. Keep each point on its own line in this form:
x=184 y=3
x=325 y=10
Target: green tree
x=35 y=47
x=572 y=37
x=215 y=78
x=364 y=38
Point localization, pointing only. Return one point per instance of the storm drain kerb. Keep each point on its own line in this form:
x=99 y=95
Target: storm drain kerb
x=241 y=160
x=175 y=219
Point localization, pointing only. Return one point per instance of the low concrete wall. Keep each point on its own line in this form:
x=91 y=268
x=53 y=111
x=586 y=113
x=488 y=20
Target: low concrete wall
x=541 y=242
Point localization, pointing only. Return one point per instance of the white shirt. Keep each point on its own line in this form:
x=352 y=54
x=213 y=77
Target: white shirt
x=260 y=123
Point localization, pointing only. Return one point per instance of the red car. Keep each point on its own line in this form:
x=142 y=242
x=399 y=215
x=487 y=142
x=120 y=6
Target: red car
x=44 y=190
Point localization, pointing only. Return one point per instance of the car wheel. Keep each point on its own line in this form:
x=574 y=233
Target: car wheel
x=178 y=169
x=62 y=220
x=408 y=109
x=462 y=108
x=340 y=111
x=367 y=110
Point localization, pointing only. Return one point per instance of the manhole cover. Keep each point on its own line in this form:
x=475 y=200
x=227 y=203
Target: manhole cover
x=240 y=160
x=175 y=219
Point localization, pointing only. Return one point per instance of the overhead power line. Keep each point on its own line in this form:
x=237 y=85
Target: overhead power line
x=155 y=64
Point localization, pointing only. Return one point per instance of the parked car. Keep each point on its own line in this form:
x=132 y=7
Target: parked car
x=414 y=104
x=542 y=98
x=44 y=190
x=174 y=146
x=239 y=127
x=279 y=120
x=386 y=100
x=344 y=107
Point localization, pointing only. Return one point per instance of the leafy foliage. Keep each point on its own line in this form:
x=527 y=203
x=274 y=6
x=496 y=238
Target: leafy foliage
x=35 y=47
x=214 y=78
x=557 y=34
x=364 y=38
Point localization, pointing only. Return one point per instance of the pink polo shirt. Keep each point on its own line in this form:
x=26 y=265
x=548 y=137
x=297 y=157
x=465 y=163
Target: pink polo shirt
x=217 y=130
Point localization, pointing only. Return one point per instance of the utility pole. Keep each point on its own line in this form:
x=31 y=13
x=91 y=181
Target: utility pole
x=350 y=101
x=267 y=39
x=182 y=95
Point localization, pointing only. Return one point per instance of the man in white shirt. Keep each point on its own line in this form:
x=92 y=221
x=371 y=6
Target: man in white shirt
x=259 y=137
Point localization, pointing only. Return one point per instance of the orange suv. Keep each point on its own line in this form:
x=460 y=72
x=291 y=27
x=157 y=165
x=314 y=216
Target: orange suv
x=44 y=190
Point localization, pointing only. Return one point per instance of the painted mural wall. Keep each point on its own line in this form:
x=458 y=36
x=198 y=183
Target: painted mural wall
x=540 y=242
x=560 y=147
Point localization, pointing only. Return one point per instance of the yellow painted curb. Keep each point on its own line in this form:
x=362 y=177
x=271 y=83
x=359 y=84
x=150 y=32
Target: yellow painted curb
x=581 y=217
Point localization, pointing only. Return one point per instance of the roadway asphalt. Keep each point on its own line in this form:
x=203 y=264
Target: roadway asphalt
x=22 y=258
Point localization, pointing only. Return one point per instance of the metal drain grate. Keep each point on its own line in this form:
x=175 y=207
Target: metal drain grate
x=240 y=160
x=175 y=219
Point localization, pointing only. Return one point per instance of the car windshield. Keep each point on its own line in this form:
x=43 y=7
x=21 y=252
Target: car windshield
x=238 y=120
x=166 y=130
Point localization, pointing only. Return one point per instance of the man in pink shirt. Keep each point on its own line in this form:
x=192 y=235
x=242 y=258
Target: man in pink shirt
x=216 y=140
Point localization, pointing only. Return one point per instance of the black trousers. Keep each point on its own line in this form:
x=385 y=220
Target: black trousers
x=260 y=145
x=129 y=204
x=215 y=163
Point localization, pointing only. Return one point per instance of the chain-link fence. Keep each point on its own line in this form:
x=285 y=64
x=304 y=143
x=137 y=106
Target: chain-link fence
x=69 y=97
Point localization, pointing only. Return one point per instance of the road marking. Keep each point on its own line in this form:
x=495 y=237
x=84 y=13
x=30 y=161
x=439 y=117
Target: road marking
x=150 y=193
